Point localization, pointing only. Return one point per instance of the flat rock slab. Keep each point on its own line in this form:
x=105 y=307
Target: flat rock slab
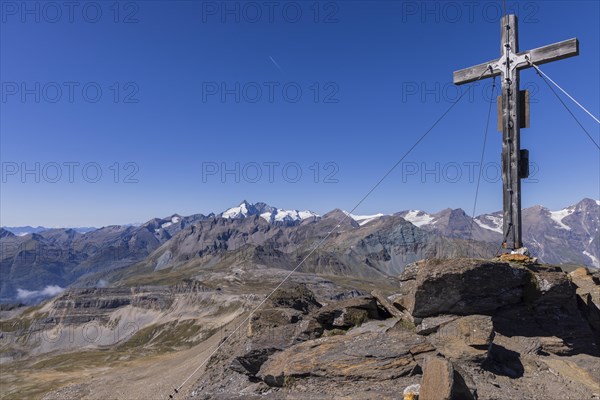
x=369 y=356
x=432 y=324
x=374 y=326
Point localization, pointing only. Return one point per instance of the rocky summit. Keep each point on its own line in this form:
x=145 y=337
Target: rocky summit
x=474 y=329
x=442 y=329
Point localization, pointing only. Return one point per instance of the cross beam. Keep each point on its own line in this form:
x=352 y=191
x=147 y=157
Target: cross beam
x=509 y=64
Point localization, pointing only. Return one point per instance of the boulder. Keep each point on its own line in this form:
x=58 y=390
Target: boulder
x=432 y=324
x=251 y=362
x=390 y=307
x=264 y=319
x=553 y=345
x=404 y=299
x=465 y=286
x=540 y=345
x=552 y=288
x=465 y=338
x=438 y=379
x=588 y=298
x=531 y=345
x=284 y=336
x=504 y=362
x=275 y=329
x=560 y=330
x=347 y=313
x=442 y=381
x=549 y=311
x=297 y=297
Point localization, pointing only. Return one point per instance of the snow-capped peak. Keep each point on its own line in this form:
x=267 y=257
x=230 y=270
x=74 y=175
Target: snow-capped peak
x=287 y=215
x=240 y=211
x=268 y=213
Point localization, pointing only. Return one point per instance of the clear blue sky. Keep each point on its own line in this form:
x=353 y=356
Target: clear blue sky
x=374 y=75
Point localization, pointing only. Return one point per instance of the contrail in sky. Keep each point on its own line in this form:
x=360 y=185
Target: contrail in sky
x=275 y=63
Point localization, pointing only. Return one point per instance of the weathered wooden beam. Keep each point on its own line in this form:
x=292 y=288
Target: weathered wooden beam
x=553 y=52
x=472 y=74
x=511 y=139
x=541 y=55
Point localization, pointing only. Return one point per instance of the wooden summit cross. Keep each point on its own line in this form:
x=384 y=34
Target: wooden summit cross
x=514 y=114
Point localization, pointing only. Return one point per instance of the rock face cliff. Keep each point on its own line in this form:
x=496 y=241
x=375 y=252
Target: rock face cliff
x=474 y=329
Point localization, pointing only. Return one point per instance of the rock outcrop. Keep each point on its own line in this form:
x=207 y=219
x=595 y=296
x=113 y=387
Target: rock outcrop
x=464 y=287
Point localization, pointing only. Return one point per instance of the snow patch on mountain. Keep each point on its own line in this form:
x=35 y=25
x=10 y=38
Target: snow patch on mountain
x=594 y=259
x=490 y=222
x=558 y=216
x=364 y=219
x=174 y=219
x=418 y=218
x=266 y=216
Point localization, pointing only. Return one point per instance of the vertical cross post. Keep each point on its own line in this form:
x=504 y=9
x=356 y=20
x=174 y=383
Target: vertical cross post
x=511 y=135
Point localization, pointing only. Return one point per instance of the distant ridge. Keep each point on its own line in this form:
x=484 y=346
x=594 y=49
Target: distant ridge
x=35 y=261
x=24 y=230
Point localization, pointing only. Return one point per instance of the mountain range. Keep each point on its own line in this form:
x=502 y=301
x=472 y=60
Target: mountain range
x=40 y=264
